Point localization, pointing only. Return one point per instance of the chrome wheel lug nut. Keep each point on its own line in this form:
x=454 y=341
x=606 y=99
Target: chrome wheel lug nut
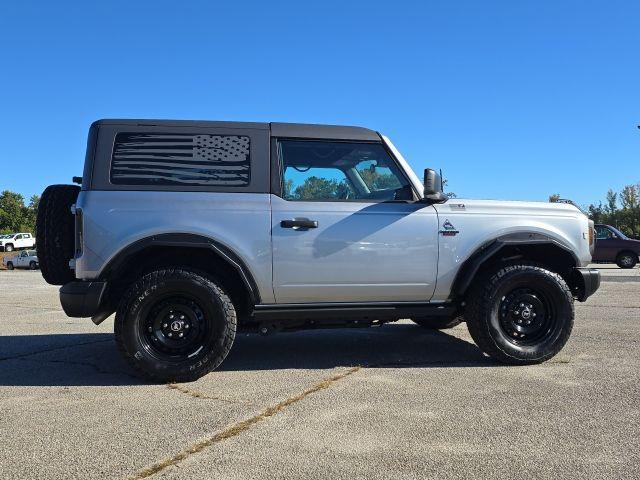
x=164 y=325
x=170 y=334
x=186 y=325
x=181 y=334
x=181 y=317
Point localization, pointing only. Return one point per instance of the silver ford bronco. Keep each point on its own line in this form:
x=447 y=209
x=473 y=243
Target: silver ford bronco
x=191 y=231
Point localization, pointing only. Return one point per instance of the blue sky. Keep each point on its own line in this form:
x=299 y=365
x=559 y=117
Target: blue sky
x=513 y=100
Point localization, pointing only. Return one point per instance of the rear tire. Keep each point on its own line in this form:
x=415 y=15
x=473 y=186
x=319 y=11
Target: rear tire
x=520 y=314
x=437 y=323
x=32 y=265
x=55 y=233
x=9 y=265
x=627 y=260
x=8 y=248
x=175 y=325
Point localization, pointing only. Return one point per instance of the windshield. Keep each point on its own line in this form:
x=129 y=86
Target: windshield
x=618 y=233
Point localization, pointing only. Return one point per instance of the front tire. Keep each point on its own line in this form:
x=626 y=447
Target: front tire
x=175 y=325
x=8 y=248
x=627 y=260
x=520 y=314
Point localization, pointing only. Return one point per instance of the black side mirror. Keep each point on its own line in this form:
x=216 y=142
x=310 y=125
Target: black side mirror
x=433 y=187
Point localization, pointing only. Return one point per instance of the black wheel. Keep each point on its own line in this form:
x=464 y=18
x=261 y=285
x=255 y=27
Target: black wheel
x=175 y=325
x=55 y=233
x=8 y=248
x=437 y=323
x=32 y=265
x=521 y=314
x=627 y=260
x=9 y=265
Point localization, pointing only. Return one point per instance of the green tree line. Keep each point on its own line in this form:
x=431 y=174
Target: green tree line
x=620 y=209
x=16 y=215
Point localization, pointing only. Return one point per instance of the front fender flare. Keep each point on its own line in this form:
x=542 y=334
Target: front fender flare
x=472 y=265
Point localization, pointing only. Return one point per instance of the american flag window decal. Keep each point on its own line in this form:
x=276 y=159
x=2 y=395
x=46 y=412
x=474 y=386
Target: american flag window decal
x=180 y=159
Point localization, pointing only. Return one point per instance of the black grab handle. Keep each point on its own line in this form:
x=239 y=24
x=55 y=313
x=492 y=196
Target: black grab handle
x=299 y=223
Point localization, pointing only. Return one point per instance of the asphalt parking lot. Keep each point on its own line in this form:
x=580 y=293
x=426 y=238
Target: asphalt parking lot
x=391 y=402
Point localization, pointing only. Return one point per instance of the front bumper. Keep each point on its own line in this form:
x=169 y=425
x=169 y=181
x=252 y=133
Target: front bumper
x=82 y=299
x=585 y=282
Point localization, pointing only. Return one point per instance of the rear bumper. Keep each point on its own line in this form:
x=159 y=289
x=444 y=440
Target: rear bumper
x=586 y=282
x=82 y=299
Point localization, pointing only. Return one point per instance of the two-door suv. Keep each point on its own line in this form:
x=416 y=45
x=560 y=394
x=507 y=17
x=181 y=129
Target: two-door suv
x=192 y=230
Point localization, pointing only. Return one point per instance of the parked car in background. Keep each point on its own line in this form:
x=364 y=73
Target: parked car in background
x=15 y=241
x=25 y=259
x=613 y=246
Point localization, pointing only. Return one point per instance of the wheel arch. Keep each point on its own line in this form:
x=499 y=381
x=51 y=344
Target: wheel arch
x=627 y=250
x=539 y=248
x=194 y=251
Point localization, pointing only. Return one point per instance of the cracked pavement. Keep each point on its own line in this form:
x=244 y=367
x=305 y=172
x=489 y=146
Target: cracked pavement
x=390 y=402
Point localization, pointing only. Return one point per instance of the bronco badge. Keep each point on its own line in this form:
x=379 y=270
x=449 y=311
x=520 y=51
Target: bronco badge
x=448 y=230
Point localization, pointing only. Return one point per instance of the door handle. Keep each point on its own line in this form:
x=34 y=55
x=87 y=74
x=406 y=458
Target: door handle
x=299 y=224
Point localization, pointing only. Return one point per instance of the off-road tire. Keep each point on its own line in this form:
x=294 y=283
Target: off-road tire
x=627 y=260
x=10 y=266
x=135 y=315
x=8 y=248
x=486 y=318
x=437 y=323
x=55 y=233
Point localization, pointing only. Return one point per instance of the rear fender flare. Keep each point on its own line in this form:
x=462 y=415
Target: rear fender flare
x=185 y=240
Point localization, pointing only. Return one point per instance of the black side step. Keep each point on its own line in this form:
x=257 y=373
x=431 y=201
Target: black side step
x=336 y=315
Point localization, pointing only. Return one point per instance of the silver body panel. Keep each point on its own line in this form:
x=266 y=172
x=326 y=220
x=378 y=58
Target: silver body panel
x=481 y=221
x=360 y=252
x=114 y=220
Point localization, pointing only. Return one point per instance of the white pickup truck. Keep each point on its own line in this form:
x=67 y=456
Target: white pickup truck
x=25 y=259
x=13 y=241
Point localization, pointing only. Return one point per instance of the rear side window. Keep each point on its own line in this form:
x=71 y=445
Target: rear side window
x=180 y=159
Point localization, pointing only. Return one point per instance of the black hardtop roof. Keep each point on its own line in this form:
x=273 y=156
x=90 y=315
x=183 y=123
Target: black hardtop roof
x=290 y=130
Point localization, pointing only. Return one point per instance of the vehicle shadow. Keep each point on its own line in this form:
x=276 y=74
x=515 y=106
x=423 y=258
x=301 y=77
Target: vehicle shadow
x=93 y=360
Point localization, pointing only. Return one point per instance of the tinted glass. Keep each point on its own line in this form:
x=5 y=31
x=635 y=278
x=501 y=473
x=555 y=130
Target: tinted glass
x=335 y=171
x=603 y=233
x=180 y=159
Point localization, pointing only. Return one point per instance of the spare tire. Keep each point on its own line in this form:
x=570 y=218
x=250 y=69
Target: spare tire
x=55 y=233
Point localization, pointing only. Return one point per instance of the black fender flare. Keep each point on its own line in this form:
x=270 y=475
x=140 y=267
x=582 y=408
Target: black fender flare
x=185 y=240
x=470 y=267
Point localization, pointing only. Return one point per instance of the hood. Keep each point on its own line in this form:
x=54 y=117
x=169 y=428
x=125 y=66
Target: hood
x=509 y=207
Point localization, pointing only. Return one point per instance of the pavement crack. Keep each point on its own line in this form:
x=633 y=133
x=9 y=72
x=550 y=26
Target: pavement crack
x=242 y=426
x=203 y=396
x=53 y=349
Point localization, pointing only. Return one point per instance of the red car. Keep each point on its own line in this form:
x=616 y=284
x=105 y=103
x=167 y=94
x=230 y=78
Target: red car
x=613 y=246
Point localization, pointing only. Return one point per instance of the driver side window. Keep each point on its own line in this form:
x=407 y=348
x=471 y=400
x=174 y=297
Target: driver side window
x=340 y=171
x=315 y=184
x=602 y=233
